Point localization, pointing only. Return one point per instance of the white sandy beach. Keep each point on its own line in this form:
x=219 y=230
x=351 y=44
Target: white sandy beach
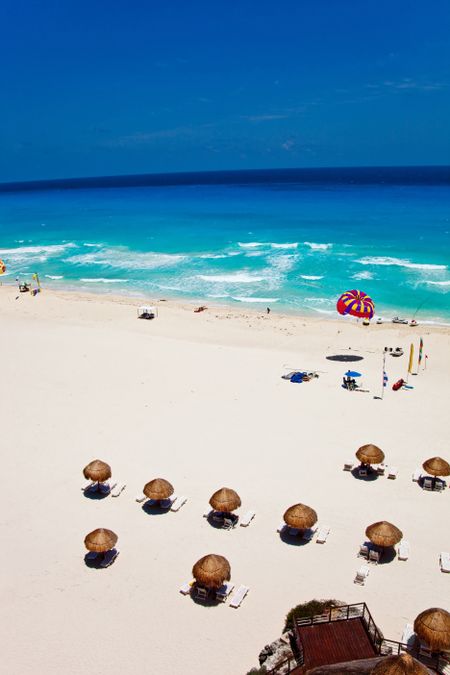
x=198 y=399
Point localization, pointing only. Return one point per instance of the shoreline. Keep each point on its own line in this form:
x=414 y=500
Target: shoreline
x=238 y=310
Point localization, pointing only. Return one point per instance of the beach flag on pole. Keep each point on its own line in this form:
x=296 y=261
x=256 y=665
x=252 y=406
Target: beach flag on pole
x=411 y=358
x=420 y=354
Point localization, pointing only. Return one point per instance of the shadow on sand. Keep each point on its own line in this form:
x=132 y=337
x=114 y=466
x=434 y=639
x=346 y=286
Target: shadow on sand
x=345 y=358
x=293 y=539
x=154 y=508
x=371 y=475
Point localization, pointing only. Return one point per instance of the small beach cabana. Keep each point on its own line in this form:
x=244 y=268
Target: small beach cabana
x=225 y=500
x=211 y=571
x=404 y=664
x=100 y=540
x=97 y=471
x=384 y=534
x=300 y=517
x=158 y=489
x=370 y=454
x=433 y=627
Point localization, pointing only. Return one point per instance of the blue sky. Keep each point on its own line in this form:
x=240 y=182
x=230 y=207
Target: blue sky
x=99 y=88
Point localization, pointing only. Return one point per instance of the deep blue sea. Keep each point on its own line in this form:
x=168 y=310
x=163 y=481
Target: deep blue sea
x=294 y=240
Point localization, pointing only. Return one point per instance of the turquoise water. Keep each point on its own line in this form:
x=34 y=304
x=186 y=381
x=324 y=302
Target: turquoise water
x=291 y=244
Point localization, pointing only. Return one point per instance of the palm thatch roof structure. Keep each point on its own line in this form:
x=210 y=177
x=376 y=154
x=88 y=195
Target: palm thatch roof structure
x=404 y=664
x=100 y=540
x=300 y=517
x=225 y=500
x=97 y=471
x=383 y=534
x=370 y=454
x=158 y=489
x=212 y=570
x=436 y=466
x=433 y=627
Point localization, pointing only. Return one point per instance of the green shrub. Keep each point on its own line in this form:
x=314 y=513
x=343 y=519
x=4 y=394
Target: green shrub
x=308 y=609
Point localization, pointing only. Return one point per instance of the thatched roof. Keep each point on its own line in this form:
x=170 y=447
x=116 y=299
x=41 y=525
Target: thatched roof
x=212 y=570
x=399 y=665
x=436 y=466
x=226 y=500
x=370 y=454
x=433 y=627
x=300 y=516
x=383 y=533
x=100 y=540
x=97 y=471
x=158 y=488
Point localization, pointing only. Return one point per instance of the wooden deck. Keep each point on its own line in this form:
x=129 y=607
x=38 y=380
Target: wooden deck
x=334 y=642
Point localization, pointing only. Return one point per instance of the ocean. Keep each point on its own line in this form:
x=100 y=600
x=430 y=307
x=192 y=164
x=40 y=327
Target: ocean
x=293 y=240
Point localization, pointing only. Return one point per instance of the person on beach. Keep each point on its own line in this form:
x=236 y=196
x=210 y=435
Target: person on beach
x=268 y=310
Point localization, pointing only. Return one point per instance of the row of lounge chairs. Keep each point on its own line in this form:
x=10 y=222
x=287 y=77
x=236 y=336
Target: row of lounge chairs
x=113 y=488
x=229 y=521
x=173 y=503
x=222 y=594
x=308 y=534
x=428 y=482
x=380 y=469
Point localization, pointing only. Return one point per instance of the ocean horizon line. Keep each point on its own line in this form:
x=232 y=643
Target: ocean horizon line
x=344 y=175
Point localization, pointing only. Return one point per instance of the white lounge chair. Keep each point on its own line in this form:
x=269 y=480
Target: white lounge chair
x=109 y=558
x=439 y=485
x=408 y=635
x=87 y=486
x=201 y=593
x=363 y=551
x=322 y=535
x=348 y=466
x=230 y=523
x=361 y=575
x=281 y=527
x=403 y=550
x=427 y=483
x=380 y=469
x=208 y=513
x=117 y=491
x=362 y=471
x=238 y=597
x=444 y=559
x=167 y=503
x=247 y=518
x=374 y=556
x=392 y=472
x=417 y=475
x=140 y=498
x=178 y=503
x=185 y=589
x=224 y=591
x=308 y=534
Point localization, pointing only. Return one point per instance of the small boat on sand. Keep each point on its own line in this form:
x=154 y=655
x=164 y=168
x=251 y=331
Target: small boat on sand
x=413 y=322
x=397 y=319
x=379 y=320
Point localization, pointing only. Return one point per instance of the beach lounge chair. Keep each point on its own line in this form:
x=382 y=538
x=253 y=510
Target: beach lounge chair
x=91 y=556
x=444 y=559
x=247 y=518
x=322 y=535
x=185 y=588
x=417 y=475
x=281 y=527
x=117 y=491
x=374 y=556
x=348 y=466
x=363 y=551
x=362 y=471
x=208 y=513
x=308 y=534
x=140 y=498
x=293 y=531
x=404 y=550
x=408 y=635
x=201 y=593
x=224 y=591
x=361 y=575
x=427 y=483
x=105 y=488
x=178 y=503
x=88 y=485
x=392 y=472
x=109 y=558
x=380 y=469
x=238 y=597
x=439 y=485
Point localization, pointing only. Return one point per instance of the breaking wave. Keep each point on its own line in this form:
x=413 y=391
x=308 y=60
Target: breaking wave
x=399 y=262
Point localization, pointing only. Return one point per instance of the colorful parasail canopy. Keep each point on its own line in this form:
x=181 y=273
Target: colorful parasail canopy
x=356 y=303
x=2 y=267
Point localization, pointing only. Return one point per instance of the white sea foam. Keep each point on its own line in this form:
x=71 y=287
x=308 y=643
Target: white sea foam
x=398 y=262
x=213 y=256
x=244 y=299
x=310 y=277
x=251 y=244
x=125 y=259
x=54 y=276
x=92 y=245
x=254 y=254
x=100 y=280
x=363 y=275
x=441 y=284
x=234 y=278
x=292 y=245
x=317 y=247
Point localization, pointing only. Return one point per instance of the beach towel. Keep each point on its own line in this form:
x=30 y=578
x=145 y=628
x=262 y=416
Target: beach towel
x=297 y=378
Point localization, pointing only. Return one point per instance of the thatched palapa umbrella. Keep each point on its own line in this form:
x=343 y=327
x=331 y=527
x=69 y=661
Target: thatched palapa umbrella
x=433 y=627
x=436 y=466
x=100 y=540
x=404 y=664
x=300 y=517
x=158 y=489
x=225 y=500
x=383 y=534
x=370 y=454
x=97 y=471
x=211 y=571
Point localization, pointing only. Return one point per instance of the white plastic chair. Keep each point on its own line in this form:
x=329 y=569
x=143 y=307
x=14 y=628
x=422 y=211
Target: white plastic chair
x=444 y=559
x=361 y=575
x=238 y=597
x=322 y=535
x=247 y=518
x=403 y=550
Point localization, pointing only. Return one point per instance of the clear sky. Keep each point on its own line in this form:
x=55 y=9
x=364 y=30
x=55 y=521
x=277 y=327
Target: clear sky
x=117 y=87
